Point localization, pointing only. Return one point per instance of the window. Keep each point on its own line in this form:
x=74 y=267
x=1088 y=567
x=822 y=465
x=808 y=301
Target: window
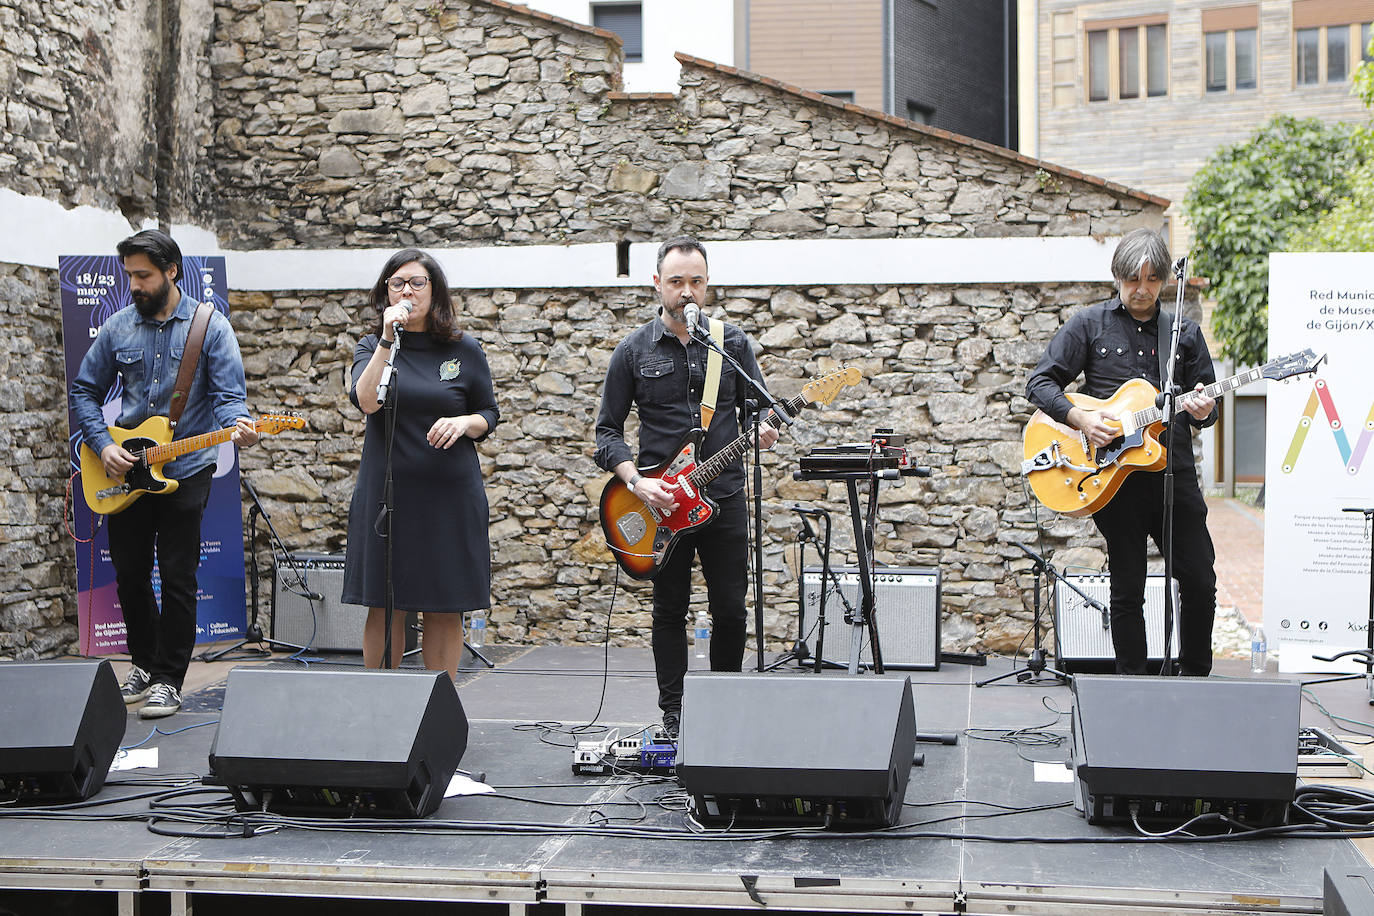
x=1216 y=61
x=1127 y=58
x=1247 y=58
x=1309 y=56
x=843 y=95
x=921 y=114
x=1337 y=54
x=1365 y=55
x=625 y=20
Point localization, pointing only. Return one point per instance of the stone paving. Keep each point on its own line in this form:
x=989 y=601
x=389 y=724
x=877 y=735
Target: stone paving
x=1238 y=534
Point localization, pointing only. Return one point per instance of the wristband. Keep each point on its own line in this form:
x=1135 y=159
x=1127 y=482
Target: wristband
x=634 y=480
x=384 y=343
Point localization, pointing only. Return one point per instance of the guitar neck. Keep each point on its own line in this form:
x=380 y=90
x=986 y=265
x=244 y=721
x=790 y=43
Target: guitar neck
x=178 y=447
x=1215 y=390
x=708 y=469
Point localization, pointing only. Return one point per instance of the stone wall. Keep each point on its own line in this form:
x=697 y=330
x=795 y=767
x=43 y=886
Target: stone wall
x=325 y=123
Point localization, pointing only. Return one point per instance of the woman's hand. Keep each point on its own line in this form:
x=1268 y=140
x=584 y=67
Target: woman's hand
x=448 y=430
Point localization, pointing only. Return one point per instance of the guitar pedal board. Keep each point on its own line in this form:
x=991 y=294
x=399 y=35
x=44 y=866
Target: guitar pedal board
x=1324 y=756
x=646 y=751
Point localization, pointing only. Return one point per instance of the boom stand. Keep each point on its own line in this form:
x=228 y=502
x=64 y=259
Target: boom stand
x=1036 y=667
x=799 y=651
x=254 y=632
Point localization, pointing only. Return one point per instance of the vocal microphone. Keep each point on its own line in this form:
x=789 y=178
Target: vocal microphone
x=396 y=326
x=1180 y=264
x=691 y=314
x=803 y=510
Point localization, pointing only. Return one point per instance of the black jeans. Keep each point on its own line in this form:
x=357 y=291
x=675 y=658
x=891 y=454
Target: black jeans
x=168 y=526
x=1135 y=512
x=723 y=545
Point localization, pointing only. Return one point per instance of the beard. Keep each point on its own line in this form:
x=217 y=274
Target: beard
x=150 y=304
x=676 y=309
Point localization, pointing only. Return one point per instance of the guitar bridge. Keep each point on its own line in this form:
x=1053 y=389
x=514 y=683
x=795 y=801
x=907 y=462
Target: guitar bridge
x=1049 y=458
x=112 y=491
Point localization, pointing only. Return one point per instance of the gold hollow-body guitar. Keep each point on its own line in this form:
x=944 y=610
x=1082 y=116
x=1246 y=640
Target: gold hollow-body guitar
x=152 y=444
x=640 y=536
x=1069 y=475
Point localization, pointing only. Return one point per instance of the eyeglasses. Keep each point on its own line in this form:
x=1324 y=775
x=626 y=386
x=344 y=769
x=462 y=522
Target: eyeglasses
x=416 y=283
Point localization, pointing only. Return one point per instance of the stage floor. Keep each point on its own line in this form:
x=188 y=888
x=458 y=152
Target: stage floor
x=548 y=837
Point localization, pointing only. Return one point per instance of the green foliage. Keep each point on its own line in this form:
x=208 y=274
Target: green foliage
x=1249 y=200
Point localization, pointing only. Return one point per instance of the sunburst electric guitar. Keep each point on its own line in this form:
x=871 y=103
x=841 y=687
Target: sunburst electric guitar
x=152 y=444
x=1069 y=475
x=641 y=537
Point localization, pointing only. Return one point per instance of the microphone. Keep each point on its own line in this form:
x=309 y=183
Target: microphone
x=1180 y=265
x=691 y=314
x=396 y=325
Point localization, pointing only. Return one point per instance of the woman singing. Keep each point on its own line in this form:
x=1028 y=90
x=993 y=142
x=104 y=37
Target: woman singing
x=443 y=403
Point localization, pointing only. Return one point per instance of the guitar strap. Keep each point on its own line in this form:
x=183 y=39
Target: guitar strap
x=195 y=339
x=1166 y=326
x=714 y=362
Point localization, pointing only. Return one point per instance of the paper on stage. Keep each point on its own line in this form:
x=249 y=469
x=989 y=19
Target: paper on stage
x=461 y=784
x=1052 y=772
x=135 y=758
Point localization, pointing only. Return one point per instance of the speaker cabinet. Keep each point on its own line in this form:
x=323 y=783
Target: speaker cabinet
x=320 y=622
x=796 y=748
x=340 y=743
x=907 y=603
x=1348 y=892
x=60 y=728
x=1164 y=749
x=1083 y=635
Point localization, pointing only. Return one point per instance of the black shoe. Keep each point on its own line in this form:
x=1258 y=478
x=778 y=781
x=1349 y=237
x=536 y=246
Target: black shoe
x=671 y=720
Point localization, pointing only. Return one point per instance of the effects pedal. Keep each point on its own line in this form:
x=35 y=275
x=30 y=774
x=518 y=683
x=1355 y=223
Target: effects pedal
x=647 y=751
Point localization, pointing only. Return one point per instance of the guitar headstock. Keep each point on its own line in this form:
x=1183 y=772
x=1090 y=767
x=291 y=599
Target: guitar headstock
x=824 y=389
x=1284 y=367
x=272 y=423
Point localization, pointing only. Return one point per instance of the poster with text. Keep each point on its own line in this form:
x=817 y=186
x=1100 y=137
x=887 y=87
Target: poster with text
x=94 y=287
x=1317 y=460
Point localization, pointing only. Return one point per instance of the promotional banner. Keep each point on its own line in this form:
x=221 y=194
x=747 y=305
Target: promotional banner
x=1319 y=430
x=94 y=287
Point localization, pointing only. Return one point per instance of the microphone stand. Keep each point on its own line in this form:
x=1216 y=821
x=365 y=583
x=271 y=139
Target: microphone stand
x=387 y=396
x=1166 y=400
x=1036 y=665
x=254 y=632
x=696 y=332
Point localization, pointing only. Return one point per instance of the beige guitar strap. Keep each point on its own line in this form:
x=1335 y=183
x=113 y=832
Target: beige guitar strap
x=195 y=339
x=716 y=328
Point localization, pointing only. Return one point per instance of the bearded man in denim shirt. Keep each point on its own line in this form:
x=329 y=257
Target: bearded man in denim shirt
x=142 y=345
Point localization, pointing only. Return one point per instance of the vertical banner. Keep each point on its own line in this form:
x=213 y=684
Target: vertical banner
x=1319 y=433
x=94 y=287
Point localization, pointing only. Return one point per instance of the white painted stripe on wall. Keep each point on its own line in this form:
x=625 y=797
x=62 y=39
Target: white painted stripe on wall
x=36 y=230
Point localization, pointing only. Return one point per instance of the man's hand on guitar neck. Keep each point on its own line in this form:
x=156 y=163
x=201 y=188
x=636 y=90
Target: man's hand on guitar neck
x=1099 y=426
x=116 y=461
x=245 y=432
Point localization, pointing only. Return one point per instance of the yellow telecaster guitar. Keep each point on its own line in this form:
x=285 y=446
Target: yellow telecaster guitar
x=152 y=444
x=1069 y=475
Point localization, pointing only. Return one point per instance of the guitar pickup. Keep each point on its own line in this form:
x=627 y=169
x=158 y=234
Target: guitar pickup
x=112 y=491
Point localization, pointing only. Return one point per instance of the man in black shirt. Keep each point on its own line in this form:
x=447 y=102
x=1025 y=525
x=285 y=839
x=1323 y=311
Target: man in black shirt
x=660 y=369
x=1109 y=344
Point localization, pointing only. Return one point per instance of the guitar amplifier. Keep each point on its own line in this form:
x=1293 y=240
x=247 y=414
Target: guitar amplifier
x=323 y=622
x=1083 y=637
x=906 y=602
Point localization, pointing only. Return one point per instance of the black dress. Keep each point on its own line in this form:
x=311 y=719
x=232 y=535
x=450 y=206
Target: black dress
x=441 y=559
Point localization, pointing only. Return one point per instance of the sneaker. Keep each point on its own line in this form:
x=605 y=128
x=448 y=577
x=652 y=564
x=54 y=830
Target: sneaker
x=163 y=700
x=671 y=720
x=136 y=685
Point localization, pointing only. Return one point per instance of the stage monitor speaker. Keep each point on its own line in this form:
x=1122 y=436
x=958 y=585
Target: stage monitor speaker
x=907 y=603
x=339 y=743
x=324 y=624
x=1348 y=892
x=1164 y=749
x=796 y=748
x=1083 y=635
x=60 y=728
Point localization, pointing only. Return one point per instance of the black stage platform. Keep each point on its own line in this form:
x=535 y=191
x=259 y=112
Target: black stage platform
x=510 y=850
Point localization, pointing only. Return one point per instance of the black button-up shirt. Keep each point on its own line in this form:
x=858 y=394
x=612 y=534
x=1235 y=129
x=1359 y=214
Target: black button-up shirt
x=652 y=371
x=1109 y=347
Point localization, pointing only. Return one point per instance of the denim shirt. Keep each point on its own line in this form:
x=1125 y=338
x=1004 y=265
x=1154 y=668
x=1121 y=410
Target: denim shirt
x=652 y=371
x=145 y=354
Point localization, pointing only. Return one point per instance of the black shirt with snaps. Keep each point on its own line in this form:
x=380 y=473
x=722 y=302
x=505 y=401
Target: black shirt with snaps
x=652 y=371
x=1109 y=347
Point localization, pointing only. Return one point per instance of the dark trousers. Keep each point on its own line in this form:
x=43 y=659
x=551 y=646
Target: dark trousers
x=1137 y=512
x=723 y=546
x=168 y=527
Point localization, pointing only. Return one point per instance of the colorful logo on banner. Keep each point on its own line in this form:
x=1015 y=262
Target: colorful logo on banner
x=94 y=287
x=1353 y=457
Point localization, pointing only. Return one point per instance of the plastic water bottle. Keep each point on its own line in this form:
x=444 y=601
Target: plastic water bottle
x=701 y=635
x=1259 y=649
x=477 y=629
